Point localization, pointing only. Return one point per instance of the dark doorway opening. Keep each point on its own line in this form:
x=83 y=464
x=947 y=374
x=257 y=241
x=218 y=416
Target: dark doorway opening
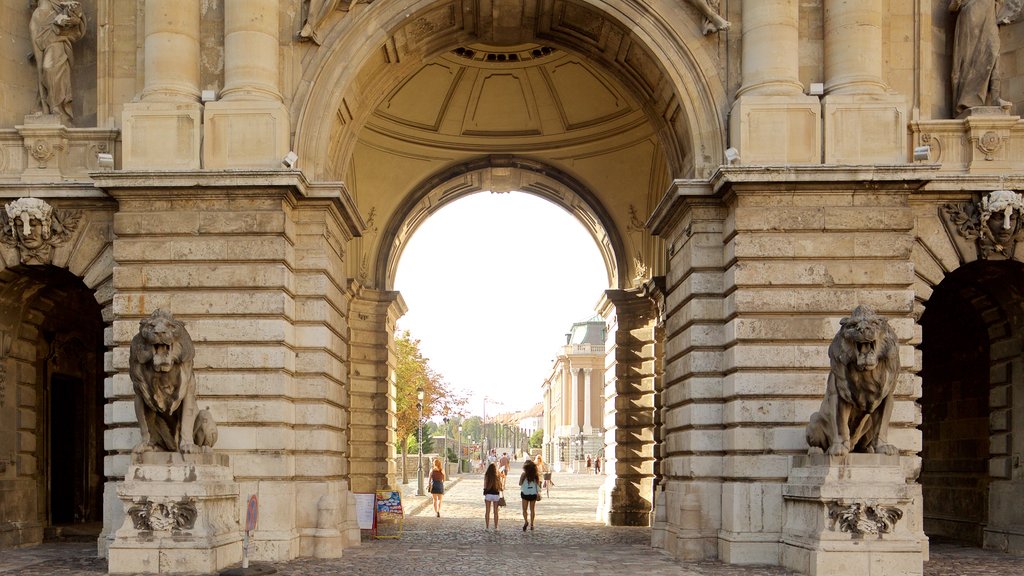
x=69 y=469
x=970 y=345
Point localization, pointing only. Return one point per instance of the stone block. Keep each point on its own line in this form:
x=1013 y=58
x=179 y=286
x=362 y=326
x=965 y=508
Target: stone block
x=161 y=135
x=777 y=129
x=245 y=134
x=865 y=128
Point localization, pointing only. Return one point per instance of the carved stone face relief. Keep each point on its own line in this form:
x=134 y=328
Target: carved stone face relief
x=994 y=223
x=35 y=228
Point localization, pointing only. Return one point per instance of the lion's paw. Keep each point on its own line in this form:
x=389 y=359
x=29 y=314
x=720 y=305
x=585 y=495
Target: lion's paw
x=814 y=450
x=887 y=449
x=840 y=449
x=188 y=448
x=143 y=447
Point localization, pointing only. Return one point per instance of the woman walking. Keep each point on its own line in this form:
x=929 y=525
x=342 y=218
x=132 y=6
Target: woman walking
x=492 y=493
x=437 y=479
x=545 y=473
x=529 y=491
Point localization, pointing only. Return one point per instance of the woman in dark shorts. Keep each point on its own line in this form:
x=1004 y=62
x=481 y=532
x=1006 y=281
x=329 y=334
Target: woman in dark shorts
x=437 y=485
x=529 y=491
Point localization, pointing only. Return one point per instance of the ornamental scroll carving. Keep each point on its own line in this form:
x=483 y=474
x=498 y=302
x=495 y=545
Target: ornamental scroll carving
x=163 y=516
x=994 y=223
x=36 y=228
x=863 y=518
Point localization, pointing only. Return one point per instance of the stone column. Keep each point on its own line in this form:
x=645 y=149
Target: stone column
x=628 y=491
x=248 y=127
x=864 y=122
x=771 y=42
x=772 y=121
x=162 y=131
x=588 y=393
x=566 y=394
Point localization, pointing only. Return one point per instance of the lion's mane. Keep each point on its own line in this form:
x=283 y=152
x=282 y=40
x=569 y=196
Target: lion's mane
x=160 y=366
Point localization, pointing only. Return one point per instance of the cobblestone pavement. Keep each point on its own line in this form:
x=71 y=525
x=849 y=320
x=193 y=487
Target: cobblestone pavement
x=567 y=540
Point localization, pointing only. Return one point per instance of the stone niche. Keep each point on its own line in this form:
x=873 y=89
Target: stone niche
x=852 y=515
x=181 y=515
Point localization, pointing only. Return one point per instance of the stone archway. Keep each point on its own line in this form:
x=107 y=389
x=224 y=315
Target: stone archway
x=53 y=313
x=366 y=54
x=593 y=105
x=971 y=309
x=500 y=175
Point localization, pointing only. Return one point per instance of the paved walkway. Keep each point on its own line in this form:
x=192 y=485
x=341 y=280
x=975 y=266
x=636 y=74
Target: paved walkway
x=567 y=541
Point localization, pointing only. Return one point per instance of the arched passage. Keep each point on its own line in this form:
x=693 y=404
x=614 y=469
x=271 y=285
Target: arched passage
x=51 y=405
x=972 y=376
x=594 y=105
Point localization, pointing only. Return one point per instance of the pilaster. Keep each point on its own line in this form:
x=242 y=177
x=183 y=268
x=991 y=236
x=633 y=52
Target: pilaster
x=242 y=259
x=372 y=397
x=629 y=394
x=804 y=250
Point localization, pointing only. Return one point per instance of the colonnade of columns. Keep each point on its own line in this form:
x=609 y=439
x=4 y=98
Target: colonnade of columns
x=247 y=127
x=774 y=121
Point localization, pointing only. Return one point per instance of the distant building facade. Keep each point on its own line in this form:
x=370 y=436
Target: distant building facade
x=574 y=397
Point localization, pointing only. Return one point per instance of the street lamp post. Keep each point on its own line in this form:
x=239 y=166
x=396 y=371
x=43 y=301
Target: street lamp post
x=579 y=467
x=419 y=442
x=444 y=444
x=459 y=459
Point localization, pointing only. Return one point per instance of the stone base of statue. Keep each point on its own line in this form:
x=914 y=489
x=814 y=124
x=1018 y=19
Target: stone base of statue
x=181 y=516
x=852 y=515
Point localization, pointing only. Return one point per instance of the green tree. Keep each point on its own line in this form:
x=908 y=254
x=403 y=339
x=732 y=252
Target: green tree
x=537 y=439
x=412 y=373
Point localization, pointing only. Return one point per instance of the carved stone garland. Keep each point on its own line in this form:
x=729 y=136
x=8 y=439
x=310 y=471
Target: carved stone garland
x=994 y=223
x=173 y=516
x=863 y=518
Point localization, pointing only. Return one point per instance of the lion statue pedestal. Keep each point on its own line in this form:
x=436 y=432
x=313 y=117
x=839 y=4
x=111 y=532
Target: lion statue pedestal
x=849 y=509
x=180 y=498
x=852 y=515
x=181 y=516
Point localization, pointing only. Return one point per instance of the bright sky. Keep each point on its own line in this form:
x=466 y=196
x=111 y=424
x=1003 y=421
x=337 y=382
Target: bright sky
x=493 y=283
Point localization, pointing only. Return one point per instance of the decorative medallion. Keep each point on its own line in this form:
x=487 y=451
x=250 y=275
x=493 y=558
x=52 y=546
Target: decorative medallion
x=35 y=228
x=994 y=223
x=163 y=516
x=862 y=518
x=988 y=144
x=43 y=151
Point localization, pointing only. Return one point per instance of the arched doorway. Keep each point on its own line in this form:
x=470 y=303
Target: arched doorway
x=972 y=378
x=51 y=411
x=414 y=104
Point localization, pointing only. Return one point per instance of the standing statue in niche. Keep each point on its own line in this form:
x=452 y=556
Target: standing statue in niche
x=54 y=26
x=160 y=367
x=864 y=361
x=713 y=21
x=975 y=73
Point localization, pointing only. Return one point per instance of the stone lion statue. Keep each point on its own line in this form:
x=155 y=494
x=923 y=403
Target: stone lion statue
x=160 y=366
x=854 y=416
